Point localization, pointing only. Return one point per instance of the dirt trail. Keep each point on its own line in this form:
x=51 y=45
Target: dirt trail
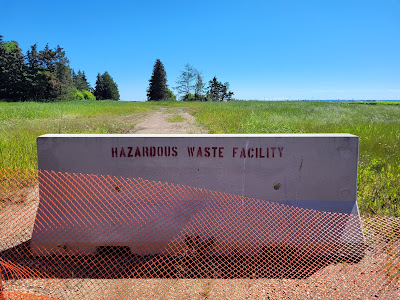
x=168 y=120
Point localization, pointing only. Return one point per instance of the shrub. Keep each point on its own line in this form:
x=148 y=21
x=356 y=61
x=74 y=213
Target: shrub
x=88 y=95
x=73 y=94
x=189 y=97
x=171 y=96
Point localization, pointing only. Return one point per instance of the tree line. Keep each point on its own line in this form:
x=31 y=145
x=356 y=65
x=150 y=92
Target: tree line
x=45 y=75
x=190 y=86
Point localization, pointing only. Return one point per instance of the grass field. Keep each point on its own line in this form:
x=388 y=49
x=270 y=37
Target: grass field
x=21 y=123
x=378 y=127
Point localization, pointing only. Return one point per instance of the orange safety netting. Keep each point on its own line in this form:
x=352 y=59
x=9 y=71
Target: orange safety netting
x=103 y=237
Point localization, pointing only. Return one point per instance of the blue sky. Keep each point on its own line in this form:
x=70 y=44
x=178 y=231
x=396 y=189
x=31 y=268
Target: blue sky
x=282 y=49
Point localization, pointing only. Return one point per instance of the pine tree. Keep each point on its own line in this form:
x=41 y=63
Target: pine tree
x=12 y=67
x=199 y=88
x=106 y=88
x=85 y=82
x=218 y=91
x=98 y=90
x=158 y=89
x=36 y=79
x=40 y=75
x=80 y=81
x=48 y=74
x=186 y=82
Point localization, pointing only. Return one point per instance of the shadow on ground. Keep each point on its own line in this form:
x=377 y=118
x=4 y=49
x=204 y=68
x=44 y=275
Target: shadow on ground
x=111 y=262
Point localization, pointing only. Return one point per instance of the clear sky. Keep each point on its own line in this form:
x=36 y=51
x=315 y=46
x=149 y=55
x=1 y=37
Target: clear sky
x=281 y=49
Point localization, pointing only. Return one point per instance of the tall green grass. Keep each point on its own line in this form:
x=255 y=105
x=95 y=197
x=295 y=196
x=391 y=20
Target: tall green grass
x=378 y=127
x=68 y=109
x=22 y=123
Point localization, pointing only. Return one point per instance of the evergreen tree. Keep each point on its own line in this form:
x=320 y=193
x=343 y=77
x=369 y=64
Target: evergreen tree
x=98 y=90
x=190 y=85
x=48 y=73
x=85 y=83
x=106 y=88
x=158 y=89
x=186 y=82
x=199 y=88
x=80 y=81
x=40 y=75
x=218 y=91
x=36 y=79
x=63 y=72
x=12 y=67
x=58 y=72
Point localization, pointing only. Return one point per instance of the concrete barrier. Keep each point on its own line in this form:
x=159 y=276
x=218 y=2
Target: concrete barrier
x=313 y=172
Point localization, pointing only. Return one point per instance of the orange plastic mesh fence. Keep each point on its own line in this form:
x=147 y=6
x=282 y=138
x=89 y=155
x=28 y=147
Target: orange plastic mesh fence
x=103 y=237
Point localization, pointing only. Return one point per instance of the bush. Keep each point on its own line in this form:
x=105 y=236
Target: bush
x=194 y=97
x=200 y=97
x=189 y=97
x=73 y=94
x=171 y=95
x=88 y=95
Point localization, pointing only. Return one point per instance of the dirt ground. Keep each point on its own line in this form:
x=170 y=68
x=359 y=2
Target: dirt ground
x=374 y=277
x=169 y=121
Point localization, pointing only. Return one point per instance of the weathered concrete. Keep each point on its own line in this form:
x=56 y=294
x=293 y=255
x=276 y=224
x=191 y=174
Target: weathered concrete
x=317 y=171
x=305 y=167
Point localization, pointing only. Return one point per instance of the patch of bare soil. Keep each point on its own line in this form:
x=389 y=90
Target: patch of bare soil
x=17 y=216
x=374 y=277
x=168 y=121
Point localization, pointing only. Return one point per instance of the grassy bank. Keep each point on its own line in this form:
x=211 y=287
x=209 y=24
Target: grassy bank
x=376 y=125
